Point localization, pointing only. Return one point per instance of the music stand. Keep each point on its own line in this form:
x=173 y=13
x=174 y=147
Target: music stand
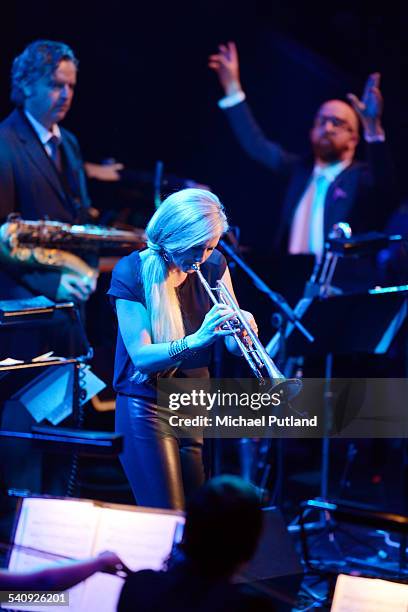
x=356 y=323
x=345 y=324
x=19 y=320
x=37 y=314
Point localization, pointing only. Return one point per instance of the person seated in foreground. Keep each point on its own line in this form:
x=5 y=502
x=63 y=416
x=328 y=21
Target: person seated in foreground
x=223 y=526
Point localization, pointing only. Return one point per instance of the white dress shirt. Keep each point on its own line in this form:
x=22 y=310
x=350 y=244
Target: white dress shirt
x=44 y=134
x=307 y=229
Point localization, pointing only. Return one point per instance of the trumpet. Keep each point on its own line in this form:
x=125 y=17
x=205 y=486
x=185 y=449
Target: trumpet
x=249 y=344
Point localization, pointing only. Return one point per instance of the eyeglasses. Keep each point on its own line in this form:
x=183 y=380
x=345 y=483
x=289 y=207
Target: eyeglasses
x=339 y=124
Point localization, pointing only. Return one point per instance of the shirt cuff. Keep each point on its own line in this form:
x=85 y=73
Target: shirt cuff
x=380 y=137
x=231 y=100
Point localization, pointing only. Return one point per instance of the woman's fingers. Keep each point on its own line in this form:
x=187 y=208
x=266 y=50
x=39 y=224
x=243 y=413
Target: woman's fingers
x=223 y=319
x=219 y=316
x=223 y=332
x=218 y=310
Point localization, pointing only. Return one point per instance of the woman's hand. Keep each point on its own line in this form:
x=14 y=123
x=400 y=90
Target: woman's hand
x=250 y=318
x=230 y=342
x=210 y=328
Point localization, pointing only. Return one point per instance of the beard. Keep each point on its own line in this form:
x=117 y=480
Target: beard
x=326 y=150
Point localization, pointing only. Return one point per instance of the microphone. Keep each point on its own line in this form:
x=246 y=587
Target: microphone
x=157 y=181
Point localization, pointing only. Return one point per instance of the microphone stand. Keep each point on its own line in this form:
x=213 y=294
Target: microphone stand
x=287 y=313
x=285 y=316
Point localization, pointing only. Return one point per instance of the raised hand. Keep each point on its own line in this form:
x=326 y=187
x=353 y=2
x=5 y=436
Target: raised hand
x=226 y=64
x=370 y=107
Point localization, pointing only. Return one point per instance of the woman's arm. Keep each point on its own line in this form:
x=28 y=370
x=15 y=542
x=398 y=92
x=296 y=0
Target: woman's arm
x=135 y=329
x=151 y=357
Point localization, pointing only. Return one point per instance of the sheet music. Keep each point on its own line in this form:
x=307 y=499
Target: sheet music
x=102 y=593
x=10 y=361
x=26 y=562
x=80 y=529
x=56 y=526
x=355 y=594
x=142 y=540
x=49 y=396
x=63 y=527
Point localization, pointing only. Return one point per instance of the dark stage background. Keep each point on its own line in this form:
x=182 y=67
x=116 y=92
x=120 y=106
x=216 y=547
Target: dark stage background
x=145 y=92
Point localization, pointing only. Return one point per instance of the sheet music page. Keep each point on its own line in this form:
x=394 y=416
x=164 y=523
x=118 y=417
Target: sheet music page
x=141 y=539
x=33 y=562
x=9 y=361
x=355 y=594
x=60 y=526
x=49 y=396
x=102 y=593
x=79 y=529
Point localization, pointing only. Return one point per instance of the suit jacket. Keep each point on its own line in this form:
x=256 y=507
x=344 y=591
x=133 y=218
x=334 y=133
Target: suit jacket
x=363 y=194
x=31 y=185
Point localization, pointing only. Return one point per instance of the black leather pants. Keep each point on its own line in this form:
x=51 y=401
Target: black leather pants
x=161 y=467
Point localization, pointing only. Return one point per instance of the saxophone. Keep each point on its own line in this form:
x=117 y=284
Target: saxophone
x=60 y=245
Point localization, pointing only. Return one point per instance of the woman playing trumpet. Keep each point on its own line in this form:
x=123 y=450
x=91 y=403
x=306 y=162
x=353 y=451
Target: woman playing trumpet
x=166 y=321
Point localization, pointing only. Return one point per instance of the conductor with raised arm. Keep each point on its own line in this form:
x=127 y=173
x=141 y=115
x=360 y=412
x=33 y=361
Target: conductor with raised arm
x=329 y=186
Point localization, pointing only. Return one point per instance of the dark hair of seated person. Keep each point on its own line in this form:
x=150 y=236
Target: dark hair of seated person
x=222 y=529
x=223 y=526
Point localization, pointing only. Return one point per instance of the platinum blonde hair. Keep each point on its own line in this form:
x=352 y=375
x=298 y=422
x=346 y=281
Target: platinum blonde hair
x=185 y=219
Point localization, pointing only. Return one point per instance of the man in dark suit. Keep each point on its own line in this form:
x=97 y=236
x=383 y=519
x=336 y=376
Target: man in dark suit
x=330 y=186
x=41 y=169
x=41 y=176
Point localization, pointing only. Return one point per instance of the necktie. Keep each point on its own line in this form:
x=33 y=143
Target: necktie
x=300 y=230
x=316 y=228
x=306 y=234
x=54 y=145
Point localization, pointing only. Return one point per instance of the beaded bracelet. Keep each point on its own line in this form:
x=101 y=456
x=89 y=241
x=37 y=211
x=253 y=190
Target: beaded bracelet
x=179 y=350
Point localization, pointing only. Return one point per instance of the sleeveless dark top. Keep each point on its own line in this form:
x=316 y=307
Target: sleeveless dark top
x=127 y=284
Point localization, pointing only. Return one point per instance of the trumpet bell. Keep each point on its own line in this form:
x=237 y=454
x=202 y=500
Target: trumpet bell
x=250 y=346
x=288 y=388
